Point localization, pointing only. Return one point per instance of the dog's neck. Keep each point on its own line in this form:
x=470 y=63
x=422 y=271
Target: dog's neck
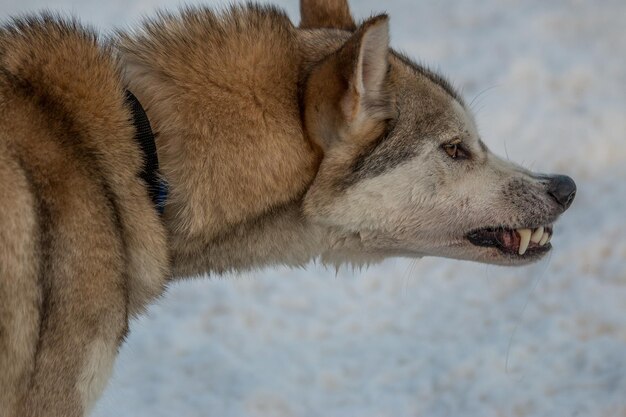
x=278 y=238
x=230 y=144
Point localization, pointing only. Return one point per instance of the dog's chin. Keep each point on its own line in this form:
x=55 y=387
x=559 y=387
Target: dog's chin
x=495 y=256
x=509 y=246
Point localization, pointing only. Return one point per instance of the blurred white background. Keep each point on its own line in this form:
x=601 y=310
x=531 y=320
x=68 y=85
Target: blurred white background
x=432 y=337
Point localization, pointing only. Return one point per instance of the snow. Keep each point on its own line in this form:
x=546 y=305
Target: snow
x=432 y=337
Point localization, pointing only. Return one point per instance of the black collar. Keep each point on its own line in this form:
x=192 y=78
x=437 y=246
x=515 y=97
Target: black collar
x=157 y=188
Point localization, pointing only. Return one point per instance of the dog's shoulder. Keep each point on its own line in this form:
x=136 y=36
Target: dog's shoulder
x=232 y=77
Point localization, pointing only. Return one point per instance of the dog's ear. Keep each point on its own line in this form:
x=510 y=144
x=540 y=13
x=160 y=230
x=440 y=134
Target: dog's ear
x=347 y=94
x=326 y=14
x=363 y=60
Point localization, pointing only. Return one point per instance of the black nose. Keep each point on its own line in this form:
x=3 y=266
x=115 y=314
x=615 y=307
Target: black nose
x=563 y=189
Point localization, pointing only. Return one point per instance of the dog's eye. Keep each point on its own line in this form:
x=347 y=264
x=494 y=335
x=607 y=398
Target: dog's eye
x=455 y=151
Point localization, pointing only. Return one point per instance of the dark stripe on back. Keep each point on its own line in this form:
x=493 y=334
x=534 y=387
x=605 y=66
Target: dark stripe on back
x=44 y=243
x=71 y=138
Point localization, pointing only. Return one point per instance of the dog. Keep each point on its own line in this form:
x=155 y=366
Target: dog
x=267 y=144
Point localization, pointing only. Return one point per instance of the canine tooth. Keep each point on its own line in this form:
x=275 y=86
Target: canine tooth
x=537 y=235
x=524 y=235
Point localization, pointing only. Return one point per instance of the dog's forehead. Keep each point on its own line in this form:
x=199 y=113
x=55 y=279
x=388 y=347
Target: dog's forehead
x=427 y=105
x=466 y=122
x=423 y=75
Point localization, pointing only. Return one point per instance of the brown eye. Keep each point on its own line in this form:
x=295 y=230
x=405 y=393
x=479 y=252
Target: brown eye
x=455 y=151
x=452 y=150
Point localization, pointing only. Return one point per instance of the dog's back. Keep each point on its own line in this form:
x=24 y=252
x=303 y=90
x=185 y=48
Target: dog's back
x=76 y=221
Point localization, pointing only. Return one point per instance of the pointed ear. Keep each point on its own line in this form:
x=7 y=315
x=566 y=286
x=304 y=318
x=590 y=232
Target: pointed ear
x=348 y=94
x=364 y=62
x=326 y=14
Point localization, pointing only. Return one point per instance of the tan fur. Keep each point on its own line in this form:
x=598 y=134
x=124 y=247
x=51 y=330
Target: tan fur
x=279 y=145
x=85 y=248
x=248 y=106
x=20 y=293
x=326 y=14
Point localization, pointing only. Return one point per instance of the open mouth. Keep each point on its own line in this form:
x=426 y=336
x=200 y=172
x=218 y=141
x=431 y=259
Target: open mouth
x=521 y=242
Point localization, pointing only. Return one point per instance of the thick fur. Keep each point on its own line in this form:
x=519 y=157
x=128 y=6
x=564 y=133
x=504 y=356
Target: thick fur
x=334 y=14
x=82 y=248
x=279 y=145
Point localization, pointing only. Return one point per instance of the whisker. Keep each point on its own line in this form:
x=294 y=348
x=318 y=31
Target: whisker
x=481 y=93
x=410 y=270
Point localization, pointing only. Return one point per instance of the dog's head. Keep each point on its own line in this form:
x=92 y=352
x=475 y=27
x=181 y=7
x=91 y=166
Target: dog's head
x=404 y=167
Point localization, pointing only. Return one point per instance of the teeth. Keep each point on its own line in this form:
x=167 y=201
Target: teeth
x=545 y=239
x=524 y=235
x=537 y=235
x=549 y=238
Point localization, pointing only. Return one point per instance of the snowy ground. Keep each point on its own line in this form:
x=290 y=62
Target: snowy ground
x=434 y=337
